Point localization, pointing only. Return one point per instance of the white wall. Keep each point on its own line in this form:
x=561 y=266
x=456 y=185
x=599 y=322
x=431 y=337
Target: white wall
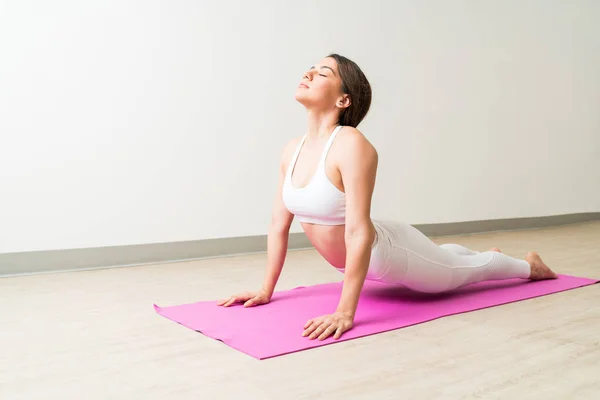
x=126 y=122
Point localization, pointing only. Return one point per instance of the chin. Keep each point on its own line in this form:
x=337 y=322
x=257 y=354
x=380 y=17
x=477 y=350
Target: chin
x=302 y=98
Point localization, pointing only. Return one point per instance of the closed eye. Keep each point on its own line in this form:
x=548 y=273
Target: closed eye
x=323 y=75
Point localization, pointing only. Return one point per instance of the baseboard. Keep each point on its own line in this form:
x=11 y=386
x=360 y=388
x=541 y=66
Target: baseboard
x=509 y=224
x=26 y=263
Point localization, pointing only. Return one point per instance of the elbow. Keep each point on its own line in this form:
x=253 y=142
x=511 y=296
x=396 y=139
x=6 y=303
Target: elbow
x=363 y=233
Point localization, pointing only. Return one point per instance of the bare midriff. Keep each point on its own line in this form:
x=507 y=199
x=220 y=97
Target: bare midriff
x=329 y=241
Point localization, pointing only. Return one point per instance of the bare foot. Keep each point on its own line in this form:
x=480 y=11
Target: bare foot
x=539 y=270
x=496 y=249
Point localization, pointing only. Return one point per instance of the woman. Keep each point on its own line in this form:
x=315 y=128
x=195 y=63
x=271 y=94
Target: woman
x=326 y=180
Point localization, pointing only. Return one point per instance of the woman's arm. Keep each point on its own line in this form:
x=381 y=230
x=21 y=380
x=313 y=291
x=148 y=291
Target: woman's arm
x=358 y=168
x=281 y=220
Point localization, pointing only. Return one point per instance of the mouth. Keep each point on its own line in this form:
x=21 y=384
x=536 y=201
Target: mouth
x=302 y=85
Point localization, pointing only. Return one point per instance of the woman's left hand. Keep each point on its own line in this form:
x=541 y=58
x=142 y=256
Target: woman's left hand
x=322 y=327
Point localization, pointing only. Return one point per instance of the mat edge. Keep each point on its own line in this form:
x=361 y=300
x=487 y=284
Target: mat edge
x=583 y=283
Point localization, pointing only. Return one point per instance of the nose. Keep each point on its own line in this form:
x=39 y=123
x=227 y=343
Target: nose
x=308 y=75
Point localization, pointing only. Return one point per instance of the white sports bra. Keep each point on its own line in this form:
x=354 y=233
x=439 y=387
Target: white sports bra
x=319 y=202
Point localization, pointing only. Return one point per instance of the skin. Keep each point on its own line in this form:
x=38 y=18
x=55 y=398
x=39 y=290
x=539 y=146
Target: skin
x=351 y=165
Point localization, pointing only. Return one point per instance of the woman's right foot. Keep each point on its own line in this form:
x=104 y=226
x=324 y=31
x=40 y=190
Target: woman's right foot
x=539 y=270
x=495 y=249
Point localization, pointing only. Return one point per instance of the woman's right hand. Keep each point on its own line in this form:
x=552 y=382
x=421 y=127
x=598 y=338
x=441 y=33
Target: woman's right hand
x=248 y=298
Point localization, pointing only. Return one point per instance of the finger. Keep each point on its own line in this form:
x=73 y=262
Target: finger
x=229 y=302
x=328 y=332
x=261 y=300
x=338 y=333
x=308 y=330
x=314 y=325
x=251 y=302
x=223 y=301
x=319 y=330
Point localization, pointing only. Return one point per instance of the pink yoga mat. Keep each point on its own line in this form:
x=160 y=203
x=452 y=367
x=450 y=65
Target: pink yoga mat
x=276 y=328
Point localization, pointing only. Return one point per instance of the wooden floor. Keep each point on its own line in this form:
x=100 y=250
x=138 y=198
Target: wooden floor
x=95 y=335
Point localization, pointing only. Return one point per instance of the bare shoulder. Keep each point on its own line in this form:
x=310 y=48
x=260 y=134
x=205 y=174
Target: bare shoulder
x=288 y=151
x=290 y=146
x=355 y=147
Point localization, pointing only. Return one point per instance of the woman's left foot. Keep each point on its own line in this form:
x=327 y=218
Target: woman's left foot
x=539 y=270
x=496 y=249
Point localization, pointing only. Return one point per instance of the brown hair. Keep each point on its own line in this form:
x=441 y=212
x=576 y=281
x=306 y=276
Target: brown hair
x=356 y=85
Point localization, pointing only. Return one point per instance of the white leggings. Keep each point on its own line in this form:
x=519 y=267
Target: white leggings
x=402 y=255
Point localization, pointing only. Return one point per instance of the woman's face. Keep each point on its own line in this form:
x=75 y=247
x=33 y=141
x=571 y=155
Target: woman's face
x=321 y=86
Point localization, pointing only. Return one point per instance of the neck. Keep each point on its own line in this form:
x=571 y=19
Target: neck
x=321 y=124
